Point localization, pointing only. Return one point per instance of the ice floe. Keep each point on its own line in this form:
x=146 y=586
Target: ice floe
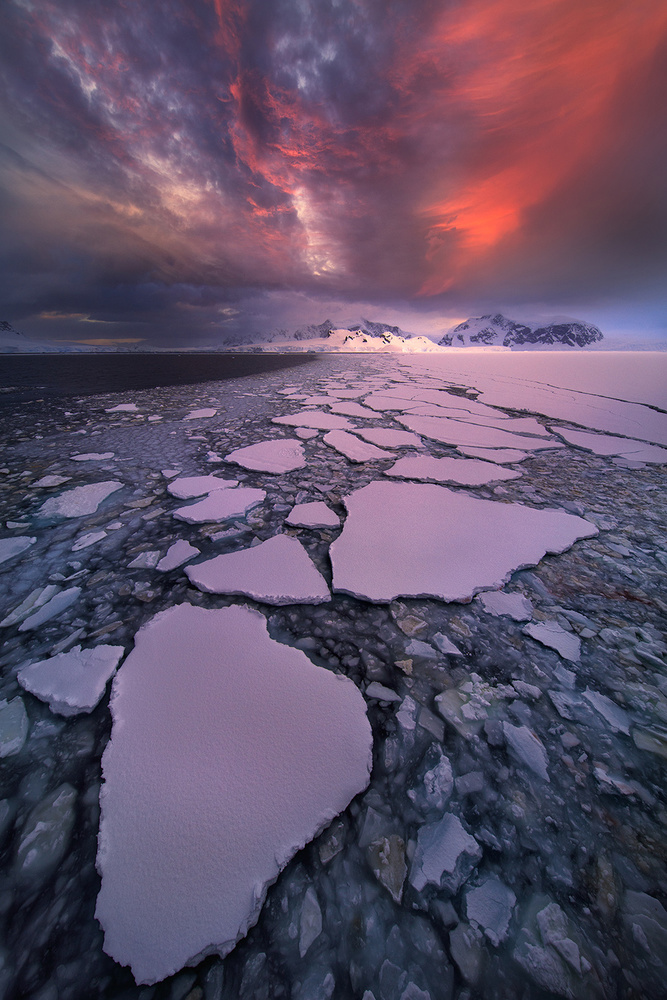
x=312 y=515
x=11 y=547
x=388 y=437
x=177 y=555
x=14 y=726
x=490 y=906
x=276 y=456
x=317 y=419
x=205 y=412
x=87 y=539
x=503 y=456
x=467 y=472
x=123 y=408
x=527 y=748
x=354 y=410
x=53 y=607
x=277 y=571
x=516 y=606
x=418 y=539
x=457 y=432
x=197 y=486
x=610 y=444
x=551 y=634
x=93 y=456
x=72 y=682
x=52 y=481
x=354 y=449
x=306 y=433
x=221 y=504
x=79 y=501
x=229 y=752
x=445 y=856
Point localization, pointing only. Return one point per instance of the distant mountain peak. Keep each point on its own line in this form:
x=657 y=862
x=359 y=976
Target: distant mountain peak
x=498 y=330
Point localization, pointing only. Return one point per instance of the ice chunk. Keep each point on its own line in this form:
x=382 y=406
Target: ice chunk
x=387 y=859
x=387 y=437
x=313 y=515
x=503 y=456
x=198 y=486
x=382 y=693
x=527 y=748
x=497 y=602
x=490 y=905
x=277 y=455
x=445 y=645
x=207 y=411
x=59 y=603
x=14 y=726
x=145 y=560
x=79 y=501
x=11 y=547
x=354 y=410
x=310 y=921
x=467 y=472
x=354 y=449
x=89 y=538
x=318 y=419
x=92 y=456
x=71 y=682
x=457 y=432
x=305 y=433
x=618 y=719
x=46 y=834
x=36 y=599
x=123 y=408
x=277 y=571
x=177 y=554
x=52 y=481
x=445 y=856
x=229 y=752
x=553 y=635
x=418 y=539
x=221 y=505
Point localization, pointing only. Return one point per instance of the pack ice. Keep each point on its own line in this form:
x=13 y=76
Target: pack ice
x=228 y=753
x=419 y=539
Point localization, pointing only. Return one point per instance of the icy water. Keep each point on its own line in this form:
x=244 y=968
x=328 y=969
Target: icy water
x=511 y=840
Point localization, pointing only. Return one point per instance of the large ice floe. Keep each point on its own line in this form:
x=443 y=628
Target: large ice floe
x=419 y=539
x=277 y=571
x=467 y=472
x=229 y=752
x=276 y=456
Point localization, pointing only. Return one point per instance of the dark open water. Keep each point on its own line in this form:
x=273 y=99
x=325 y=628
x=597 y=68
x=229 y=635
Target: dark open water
x=29 y=376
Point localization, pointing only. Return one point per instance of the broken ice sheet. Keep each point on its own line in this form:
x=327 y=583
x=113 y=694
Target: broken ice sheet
x=71 y=682
x=553 y=635
x=221 y=505
x=188 y=487
x=418 y=539
x=78 y=501
x=467 y=472
x=229 y=752
x=11 y=547
x=312 y=515
x=497 y=602
x=277 y=571
x=276 y=456
x=351 y=447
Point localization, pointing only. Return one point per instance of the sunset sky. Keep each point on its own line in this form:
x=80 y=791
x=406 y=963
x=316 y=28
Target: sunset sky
x=190 y=170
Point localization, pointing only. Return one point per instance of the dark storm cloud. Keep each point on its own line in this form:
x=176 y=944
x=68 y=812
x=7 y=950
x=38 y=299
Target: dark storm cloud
x=166 y=163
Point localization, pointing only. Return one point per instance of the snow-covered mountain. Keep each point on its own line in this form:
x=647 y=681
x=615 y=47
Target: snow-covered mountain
x=13 y=342
x=366 y=336
x=498 y=330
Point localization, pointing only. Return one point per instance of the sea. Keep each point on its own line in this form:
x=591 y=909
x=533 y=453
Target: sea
x=25 y=377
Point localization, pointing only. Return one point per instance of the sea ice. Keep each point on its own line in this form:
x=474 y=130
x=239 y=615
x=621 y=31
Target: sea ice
x=92 y=456
x=318 y=419
x=418 y=539
x=177 y=554
x=457 y=432
x=312 y=515
x=277 y=571
x=229 y=752
x=89 y=538
x=221 y=505
x=52 y=481
x=14 y=726
x=305 y=433
x=516 y=606
x=490 y=905
x=354 y=449
x=58 y=603
x=71 y=682
x=445 y=856
x=123 y=408
x=618 y=719
x=387 y=437
x=608 y=444
x=503 y=456
x=467 y=472
x=197 y=486
x=145 y=560
x=354 y=410
x=11 y=547
x=79 y=501
x=278 y=455
x=553 y=635
x=527 y=748
x=199 y=414
x=35 y=599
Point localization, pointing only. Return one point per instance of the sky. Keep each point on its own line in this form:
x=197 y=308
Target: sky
x=193 y=171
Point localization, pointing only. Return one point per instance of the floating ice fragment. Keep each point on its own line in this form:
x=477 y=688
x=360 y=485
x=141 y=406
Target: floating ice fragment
x=11 y=547
x=14 y=726
x=318 y=419
x=93 y=456
x=229 y=752
x=418 y=539
x=618 y=719
x=58 y=603
x=310 y=921
x=305 y=433
x=503 y=456
x=277 y=571
x=312 y=515
x=457 y=432
x=199 y=414
x=354 y=449
x=71 y=682
x=177 y=554
x=145 y=560
x=467 y=472
x=277 y=455
x=354 y=410
x=221 y=505
x=527 y=748
x=387 y=859
x=34 y=600
x=197 y=486
x=445 y=645
x=490 y=905
x=382 y=693
x=497 y=602
x=445 y=856
x=609 y=444
x=387 y=437
x=79 y=501
x=89 y=538
x=46 y=834
x=553 y=635
x=170 y=473
x=123 y=408
x=52 y=481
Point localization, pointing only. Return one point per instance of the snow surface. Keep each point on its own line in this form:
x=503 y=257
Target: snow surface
x=196 y=486
x=71 y=682
x=220 y=505
x=229 y=752
x=312 y=515
x=277 y=455
x=354 y=449
x=11 y=547
x=418 y=539
x=277 y=571
x=318 y=419
x=79 y=501
x=467 y=472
